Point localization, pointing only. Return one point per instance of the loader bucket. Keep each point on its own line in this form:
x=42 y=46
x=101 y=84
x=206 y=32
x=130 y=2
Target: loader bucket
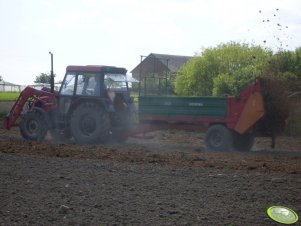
x=252 y=112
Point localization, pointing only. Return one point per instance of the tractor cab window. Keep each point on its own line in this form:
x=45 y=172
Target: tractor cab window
x=117 y=82
x=88 y=84
x=68 y=84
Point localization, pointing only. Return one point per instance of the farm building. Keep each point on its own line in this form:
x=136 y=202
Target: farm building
x=10 y=87
x=159 y=64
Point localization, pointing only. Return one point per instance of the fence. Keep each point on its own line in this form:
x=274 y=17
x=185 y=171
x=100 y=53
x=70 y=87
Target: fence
x=8 y=87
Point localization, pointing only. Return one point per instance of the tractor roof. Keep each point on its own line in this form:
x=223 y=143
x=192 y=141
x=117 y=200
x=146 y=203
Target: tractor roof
x=96 y=69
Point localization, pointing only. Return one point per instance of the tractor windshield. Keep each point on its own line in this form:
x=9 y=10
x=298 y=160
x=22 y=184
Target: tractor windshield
x=67 y=87
x=118 y=82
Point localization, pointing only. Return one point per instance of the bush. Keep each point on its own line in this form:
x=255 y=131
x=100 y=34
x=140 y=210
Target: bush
x=293 y=127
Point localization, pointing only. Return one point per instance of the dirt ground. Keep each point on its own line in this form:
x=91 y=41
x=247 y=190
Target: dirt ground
x=162 y=178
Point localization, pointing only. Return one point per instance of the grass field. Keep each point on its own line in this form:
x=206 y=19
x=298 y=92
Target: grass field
x=9 y=96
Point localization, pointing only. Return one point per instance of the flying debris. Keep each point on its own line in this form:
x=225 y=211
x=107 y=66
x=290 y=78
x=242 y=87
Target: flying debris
x=272 y=24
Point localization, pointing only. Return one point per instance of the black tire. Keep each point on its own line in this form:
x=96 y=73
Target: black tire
x=90 y=124
x=242 y=142
x=218 y=138
x=33 y=126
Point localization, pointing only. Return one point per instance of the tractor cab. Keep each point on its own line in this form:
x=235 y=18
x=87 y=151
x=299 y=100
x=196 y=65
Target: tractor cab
x=91 y=80
x=98 y=83
x=104 y=90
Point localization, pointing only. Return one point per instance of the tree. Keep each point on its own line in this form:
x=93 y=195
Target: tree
x=225 y=69
x=43 y=78
x=286 y=65
x=1 y=79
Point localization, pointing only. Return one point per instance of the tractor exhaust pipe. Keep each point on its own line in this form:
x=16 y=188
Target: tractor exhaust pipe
x=51 y=74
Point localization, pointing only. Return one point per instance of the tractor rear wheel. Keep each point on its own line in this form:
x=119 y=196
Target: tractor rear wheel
x=33 y=126
x=242 y=142
x=90 y=124
x=218 y=138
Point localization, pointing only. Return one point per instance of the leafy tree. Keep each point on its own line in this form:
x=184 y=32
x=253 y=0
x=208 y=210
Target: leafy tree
x=1 y=79
x=281 y=62
x=225 y=69
x=43 y=78
x=297 y=67
x=286 y=65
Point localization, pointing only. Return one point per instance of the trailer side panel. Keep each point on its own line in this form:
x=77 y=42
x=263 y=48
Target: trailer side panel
x=182 y=107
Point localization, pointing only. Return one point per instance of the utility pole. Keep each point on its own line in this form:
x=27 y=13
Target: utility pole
x=51 y=74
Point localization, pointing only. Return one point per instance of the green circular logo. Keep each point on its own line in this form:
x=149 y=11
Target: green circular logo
x=282 y=214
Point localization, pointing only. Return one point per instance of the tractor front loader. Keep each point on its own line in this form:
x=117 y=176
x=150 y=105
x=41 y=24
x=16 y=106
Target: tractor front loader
x=92 y=105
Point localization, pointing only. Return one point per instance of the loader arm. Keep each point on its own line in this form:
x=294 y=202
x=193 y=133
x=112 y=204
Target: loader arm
x=47 y=100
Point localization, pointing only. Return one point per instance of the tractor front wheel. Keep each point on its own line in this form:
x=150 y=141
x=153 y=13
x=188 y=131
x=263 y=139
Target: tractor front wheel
x=218 y=138
x=33 y=126
x=90 y=124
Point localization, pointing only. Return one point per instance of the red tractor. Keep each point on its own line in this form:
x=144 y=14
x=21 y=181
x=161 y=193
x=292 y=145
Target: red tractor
x=92 y=104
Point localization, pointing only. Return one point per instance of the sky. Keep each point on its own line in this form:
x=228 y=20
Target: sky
x=118 y=32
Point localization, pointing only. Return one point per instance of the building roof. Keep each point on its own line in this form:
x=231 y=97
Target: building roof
x=170 y=62
x=173 y=62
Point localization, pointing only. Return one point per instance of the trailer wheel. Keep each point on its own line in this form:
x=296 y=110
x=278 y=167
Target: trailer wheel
x=242 y=142
x=90 y=124
x=33 y=126
x=218 y=138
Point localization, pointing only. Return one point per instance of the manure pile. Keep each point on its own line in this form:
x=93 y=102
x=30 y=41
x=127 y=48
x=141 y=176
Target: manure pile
x=277 y=107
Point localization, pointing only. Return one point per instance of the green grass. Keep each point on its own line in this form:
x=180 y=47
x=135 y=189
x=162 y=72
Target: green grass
x=9 y=96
